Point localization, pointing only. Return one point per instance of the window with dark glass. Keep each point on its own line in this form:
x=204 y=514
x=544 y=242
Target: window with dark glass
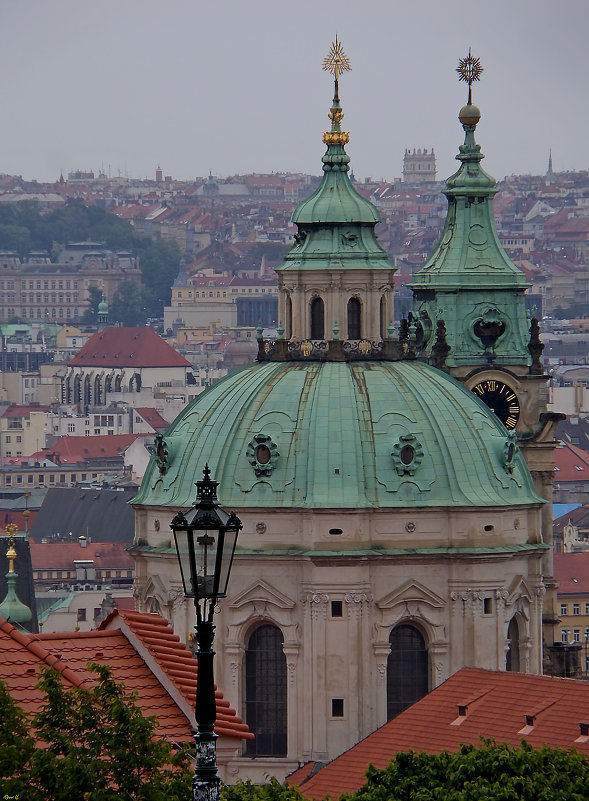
x=407 y=669
x=512 y=656
x=265 y=692
x=354 y=317
x=317 y=319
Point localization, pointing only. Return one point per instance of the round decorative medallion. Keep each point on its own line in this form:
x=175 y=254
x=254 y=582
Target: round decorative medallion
x=262 y=454
x=407 y=455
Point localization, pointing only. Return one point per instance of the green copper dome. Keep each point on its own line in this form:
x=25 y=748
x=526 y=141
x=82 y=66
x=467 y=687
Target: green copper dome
x=339 y=435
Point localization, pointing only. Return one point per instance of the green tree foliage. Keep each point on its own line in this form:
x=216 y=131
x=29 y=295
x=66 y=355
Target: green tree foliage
x=490 y=772
x=98 y=747
x=128 y=304
x=94 y=299
x=23 y=229
x=272 y=791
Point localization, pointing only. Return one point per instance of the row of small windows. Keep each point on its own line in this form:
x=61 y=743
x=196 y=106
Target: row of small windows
x=565 y=633
x=19 y=478
x=218 y=293
x=9 y=284
x=40 y=313
x=564 y=609
x=266 y=680
x=71 y=574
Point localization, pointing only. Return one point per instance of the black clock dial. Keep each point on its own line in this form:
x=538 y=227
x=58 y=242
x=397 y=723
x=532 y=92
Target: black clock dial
x=500 y=399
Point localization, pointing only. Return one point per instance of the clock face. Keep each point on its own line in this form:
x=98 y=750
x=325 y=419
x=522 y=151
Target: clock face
x=500 y=399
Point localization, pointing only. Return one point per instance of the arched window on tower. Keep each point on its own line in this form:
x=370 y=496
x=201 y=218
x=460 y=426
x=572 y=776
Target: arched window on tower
x=288 y=316
x=265 y=692
x=317 y=319
x=383 y=318
x=407 y=669
x=512 y=655
x=354 y=319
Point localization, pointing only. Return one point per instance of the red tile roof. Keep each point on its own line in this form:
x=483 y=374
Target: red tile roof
x=571 y=570
x=127 y=347
x=152 y=417
x=571 y=463
x=24 y=411
x=72 y=450
x=127 y=651
x=176 y=661
x=497 y=704
x=61 y=555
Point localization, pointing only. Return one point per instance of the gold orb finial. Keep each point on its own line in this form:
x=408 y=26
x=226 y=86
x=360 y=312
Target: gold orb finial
x=469 y=69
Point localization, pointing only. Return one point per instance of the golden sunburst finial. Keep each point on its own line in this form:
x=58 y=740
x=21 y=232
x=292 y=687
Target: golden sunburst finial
x=336 y=60
x=469 y=69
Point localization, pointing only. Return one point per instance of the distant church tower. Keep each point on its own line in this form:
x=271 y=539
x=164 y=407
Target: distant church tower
x=419 y=166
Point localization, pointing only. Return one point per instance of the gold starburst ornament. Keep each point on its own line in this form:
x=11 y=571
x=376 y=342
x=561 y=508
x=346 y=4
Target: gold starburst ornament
x=336 y=60
x=469 y=69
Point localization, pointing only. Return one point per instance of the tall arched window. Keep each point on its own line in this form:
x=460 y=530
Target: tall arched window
x=87 y=398
x=354 y=319
x=265 y=692
x=317 y=319
x=512 y=655
x=288 y=316
x=383 y=318
x=97 y=391
x=407 y=669
x=77 y=389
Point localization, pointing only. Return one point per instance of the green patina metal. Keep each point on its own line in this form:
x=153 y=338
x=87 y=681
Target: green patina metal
x=469 y=281
x=335 y=224
x=345 y=435
x=12 y=608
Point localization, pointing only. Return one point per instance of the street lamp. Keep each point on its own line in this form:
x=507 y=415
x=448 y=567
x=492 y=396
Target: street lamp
x=205 y=542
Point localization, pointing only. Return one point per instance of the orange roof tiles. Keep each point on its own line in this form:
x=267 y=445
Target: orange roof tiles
x=158 y=637
x=571 y=463
x=71 y=449
x=497 y=704
x=152 y=417
x=571 y=570
x=142 y=652
x=62 y=555
x=127 y=347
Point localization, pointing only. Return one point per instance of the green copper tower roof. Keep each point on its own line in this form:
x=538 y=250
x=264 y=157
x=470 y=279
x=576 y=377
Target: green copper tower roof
x=336 y=224
x=469 y=281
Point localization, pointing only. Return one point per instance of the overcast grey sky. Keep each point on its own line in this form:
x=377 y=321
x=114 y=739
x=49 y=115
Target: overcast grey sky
x=236 y=86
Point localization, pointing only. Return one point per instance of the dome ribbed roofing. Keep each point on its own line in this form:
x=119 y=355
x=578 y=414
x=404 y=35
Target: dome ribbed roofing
x=340 y=435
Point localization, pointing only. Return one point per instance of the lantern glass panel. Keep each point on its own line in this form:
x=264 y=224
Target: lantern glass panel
x=185 y=549
x=225 y=558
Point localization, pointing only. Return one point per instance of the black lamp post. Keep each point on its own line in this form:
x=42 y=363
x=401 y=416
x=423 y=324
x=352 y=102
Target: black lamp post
x=205 y=541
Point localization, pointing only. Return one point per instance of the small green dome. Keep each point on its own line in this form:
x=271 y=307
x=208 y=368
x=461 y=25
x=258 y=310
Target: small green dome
x=339 y=435
x=12 y=608
x=103 y=306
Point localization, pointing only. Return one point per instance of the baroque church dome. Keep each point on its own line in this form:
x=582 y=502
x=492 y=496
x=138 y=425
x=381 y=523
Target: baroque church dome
x=392 y=529
x=324 y=434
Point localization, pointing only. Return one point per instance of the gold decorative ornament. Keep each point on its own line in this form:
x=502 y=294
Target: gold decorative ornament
x=11 y=555
x=469 y=69
x=336 y=60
